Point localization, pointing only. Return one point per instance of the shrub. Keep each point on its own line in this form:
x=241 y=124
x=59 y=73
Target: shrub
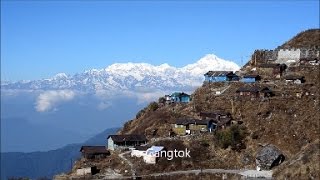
x=224 y=138
x=162 y=100
x=233 y=136
x=204 y=143
x=153 y=106
x=140 y=113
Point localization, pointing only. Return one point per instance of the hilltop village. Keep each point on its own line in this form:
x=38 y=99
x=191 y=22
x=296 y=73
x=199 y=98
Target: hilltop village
x=264 y=117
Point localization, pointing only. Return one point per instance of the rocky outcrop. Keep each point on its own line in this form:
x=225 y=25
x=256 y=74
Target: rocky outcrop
x=268 y=157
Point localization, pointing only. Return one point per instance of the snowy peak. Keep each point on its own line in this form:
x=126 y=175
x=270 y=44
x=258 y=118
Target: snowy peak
x=208 y=59
x=129 y=76
x=60 y=76
x=210 y=62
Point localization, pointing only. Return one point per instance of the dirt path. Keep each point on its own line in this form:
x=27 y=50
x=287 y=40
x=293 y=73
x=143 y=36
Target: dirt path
x=133 y=171
x=246 y=173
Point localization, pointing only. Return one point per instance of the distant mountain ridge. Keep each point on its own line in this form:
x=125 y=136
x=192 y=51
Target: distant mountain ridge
x=129 y=76
x=46 y=164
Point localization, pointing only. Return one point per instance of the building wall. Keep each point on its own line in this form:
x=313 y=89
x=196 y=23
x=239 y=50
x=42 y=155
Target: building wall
x=216 y=78
x=149 y=159
x=248 y=80
x=114 y=146
x=285 y=55
x=137 y=153
x=263 y=56
x=194 y=127
x=83 y=171
x=179 y=129
x=111 y=144
x=207 y=78
x=309 y=54
x=185 y=99
x=175 y=99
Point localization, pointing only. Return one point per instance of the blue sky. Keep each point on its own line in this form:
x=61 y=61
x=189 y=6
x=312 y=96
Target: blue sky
x=41 y=39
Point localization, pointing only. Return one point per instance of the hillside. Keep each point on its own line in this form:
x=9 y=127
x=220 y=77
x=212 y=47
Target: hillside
x=306 y=39
x=289 y=120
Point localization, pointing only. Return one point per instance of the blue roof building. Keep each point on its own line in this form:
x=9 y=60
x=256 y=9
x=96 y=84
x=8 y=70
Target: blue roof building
x=180 y=97
x=220 y=76
x=250 y=78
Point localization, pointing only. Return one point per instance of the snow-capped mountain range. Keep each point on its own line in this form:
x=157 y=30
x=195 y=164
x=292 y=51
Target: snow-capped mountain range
x=130 y=76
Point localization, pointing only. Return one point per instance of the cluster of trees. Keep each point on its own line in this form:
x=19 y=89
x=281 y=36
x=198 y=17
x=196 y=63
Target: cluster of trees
x=233 y=137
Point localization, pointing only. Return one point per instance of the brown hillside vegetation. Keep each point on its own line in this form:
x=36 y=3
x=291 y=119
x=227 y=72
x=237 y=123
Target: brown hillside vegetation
x=309 y=38
x=304 y=165
x=285 y=120
x=289 y=120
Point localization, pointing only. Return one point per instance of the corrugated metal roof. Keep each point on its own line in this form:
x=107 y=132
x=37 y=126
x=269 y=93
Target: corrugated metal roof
x=191 y=121
x=154 y=149
x=218 y=73
x=179 y=94
x=251 y=76
x=293 y=77
x=94 y=149
x=128 y=137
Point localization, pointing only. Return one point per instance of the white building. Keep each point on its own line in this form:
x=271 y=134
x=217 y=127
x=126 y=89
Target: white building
x=139 y=151
x=288 y=55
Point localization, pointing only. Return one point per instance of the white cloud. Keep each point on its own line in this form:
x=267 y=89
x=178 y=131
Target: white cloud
x=15 y=92
x=49 y=99
x=103 y=105
x=148 y=97
x=142 y=96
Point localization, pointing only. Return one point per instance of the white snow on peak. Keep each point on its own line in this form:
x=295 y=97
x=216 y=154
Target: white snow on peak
x=60 y=76
x=128 y=76
x=210 y=62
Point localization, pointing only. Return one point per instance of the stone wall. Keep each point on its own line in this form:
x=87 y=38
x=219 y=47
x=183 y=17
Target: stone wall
x=263 y=56
x=285 y=55
x=309 y=54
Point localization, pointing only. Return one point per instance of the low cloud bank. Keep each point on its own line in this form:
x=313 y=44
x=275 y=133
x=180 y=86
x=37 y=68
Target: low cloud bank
x=48 y=100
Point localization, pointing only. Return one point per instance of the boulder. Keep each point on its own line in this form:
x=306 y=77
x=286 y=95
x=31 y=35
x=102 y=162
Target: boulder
x=268 y=157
